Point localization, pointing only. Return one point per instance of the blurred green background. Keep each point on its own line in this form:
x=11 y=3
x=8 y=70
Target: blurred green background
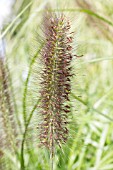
x=91 y=146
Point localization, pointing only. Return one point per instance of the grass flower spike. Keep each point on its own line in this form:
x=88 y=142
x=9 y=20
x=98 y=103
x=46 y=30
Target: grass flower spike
x=55 y=80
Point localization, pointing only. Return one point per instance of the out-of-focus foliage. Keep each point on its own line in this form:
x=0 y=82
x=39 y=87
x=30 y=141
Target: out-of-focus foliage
x=91 y=148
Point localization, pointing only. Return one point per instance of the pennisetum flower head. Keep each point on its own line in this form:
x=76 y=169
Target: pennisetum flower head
x=55 y=80
x=8 y=128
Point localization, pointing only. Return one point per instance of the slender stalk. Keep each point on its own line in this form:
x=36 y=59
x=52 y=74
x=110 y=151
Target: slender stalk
x=51 y=145
x=26 y=83
x=51 y=158
x=24 y=109
x=25 y=133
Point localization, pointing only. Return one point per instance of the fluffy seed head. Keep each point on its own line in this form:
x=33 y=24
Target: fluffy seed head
x=55 y=80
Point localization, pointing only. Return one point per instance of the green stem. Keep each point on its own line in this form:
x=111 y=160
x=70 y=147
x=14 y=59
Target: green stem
x=24 y=135
x=26 y=83
x=51 y=159
x=24 y=108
